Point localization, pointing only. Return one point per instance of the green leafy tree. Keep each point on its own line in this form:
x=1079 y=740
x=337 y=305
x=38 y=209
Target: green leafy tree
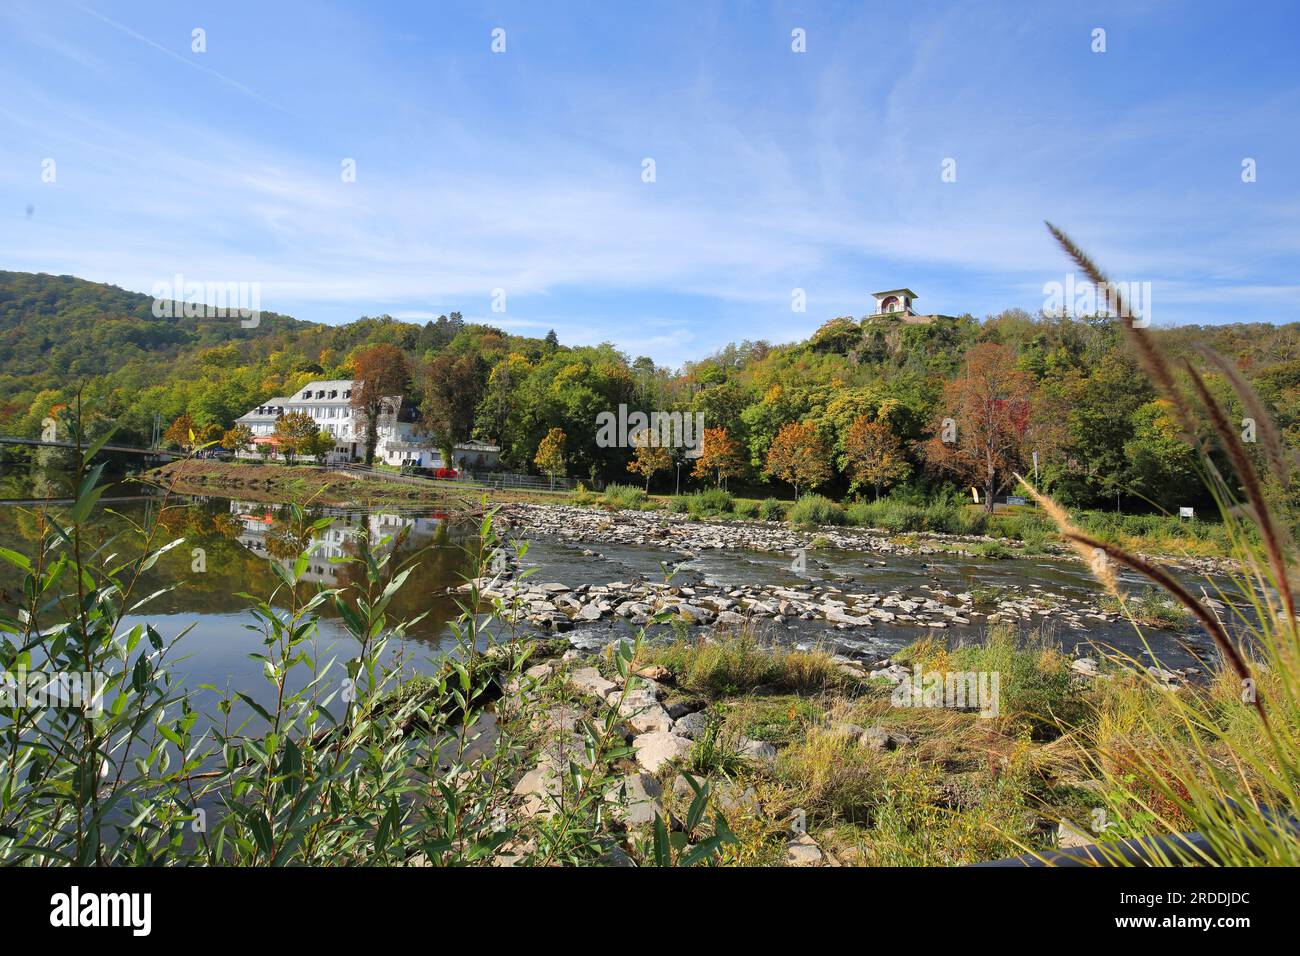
x=294 y=434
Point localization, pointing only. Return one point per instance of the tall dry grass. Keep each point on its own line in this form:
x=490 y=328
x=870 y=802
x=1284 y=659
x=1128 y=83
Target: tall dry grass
x=1222 y=760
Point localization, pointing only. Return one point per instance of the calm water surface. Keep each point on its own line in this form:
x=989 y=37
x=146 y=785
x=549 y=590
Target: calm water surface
x=239 y=540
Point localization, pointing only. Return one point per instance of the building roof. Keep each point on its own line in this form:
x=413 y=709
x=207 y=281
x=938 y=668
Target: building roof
x=339 y=385
x=880 y=295
x=252 y=416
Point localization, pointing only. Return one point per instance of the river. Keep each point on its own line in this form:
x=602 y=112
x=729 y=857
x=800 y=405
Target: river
x=230 y=543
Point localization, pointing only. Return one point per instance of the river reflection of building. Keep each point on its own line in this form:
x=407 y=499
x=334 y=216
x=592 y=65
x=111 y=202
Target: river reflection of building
x=268 y=531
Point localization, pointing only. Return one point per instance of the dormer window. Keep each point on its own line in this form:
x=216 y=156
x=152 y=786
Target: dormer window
x=334 y=393
x=347 y=393
x=307 y=394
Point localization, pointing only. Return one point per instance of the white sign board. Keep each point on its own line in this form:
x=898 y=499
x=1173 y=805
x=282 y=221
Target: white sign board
x=1187 y=512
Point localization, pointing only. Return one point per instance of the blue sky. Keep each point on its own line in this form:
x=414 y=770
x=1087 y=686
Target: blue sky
x=774 y=170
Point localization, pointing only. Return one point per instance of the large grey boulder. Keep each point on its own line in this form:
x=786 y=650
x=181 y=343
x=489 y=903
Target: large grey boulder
x=878 y=738
x=588 y=681
x=759 y=750
x=643 y=713
x=653 y=750
x=803 y=850
x=637 y=799
x=691 y=725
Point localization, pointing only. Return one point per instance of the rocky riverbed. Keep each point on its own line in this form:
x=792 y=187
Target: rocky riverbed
x=680 y=532
x=592 y=616
x=662 y=726
x=557 y=607
x=598 y=574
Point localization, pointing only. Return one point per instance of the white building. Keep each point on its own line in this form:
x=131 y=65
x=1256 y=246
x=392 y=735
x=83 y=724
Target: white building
x=897 y=304
x=329 y=403
x=328 y=546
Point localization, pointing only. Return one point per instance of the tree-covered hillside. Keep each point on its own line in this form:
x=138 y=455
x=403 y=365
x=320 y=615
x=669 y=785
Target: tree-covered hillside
x=864 y=406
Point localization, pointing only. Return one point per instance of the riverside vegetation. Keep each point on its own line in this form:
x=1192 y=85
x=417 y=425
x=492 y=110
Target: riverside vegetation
x=854 y=410
x=666 y=749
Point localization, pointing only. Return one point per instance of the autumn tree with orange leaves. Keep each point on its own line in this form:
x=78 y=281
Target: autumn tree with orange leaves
x=180 y=433
x=382 y=375
x=991 y=423
x=798 y=455
x=873 y=455
x=649 y=458
x=720 y=457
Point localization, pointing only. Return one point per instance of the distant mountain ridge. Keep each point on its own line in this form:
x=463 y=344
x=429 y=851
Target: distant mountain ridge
x=59 y=334
x=78 y=327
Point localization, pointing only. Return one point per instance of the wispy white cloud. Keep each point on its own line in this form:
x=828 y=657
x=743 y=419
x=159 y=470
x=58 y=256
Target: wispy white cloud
x=831 y=185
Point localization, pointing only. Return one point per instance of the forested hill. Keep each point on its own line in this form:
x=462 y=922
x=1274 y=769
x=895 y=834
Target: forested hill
x=1096 y=422
x=53 y=328
x=59 y=332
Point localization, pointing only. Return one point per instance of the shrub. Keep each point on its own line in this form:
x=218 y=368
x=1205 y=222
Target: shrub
x=891 y=516
x=623 y=496
x=745 y=509
x=833 y=775
x=816 y=510
x=1151 y=608
x=716 y=748
x=713 y=500
x=943 y=515
x=701 y=504
x=1036 y=686
x=772 y=510
x=739 y=662
x=1024 y=525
